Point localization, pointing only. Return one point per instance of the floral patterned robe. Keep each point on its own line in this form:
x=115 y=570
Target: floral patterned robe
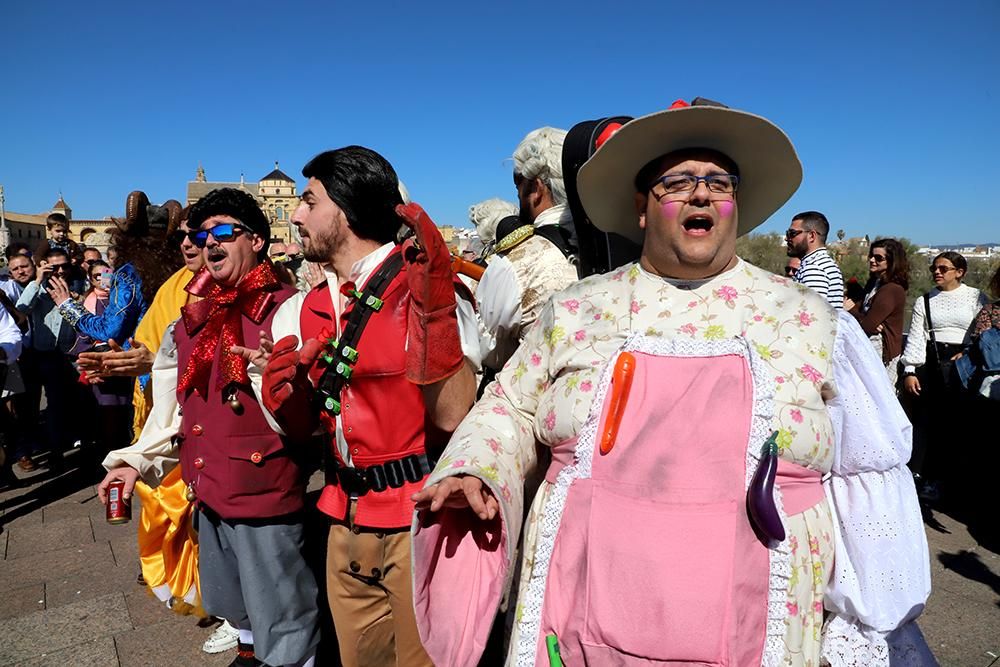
x=834 y=412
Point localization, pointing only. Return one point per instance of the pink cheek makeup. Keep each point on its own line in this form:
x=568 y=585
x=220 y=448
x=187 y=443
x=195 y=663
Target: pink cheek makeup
x=671 y=209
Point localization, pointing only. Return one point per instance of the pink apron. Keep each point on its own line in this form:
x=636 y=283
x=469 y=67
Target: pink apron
x=645 y=555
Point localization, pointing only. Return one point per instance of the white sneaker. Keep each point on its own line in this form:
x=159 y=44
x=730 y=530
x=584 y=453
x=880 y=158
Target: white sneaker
x=223 y=639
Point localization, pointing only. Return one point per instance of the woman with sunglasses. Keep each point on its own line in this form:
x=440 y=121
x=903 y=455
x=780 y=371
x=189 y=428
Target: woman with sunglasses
x=939 y=332
x=881 y=311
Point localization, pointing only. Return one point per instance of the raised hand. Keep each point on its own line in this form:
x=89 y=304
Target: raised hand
x=58 y=290
x=287 y=391
x=129 y=363
x=258 y=356
x=432 y=315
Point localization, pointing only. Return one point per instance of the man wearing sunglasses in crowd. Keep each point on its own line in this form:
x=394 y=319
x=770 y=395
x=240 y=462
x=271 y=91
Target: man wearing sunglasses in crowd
x=806 y=240
x=47 y=364
x=244 y=477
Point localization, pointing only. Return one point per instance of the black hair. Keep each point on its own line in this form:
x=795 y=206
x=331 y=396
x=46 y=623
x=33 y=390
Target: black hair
x=365 y=187
x=16 y=248
x=994 y=286
x=53 y=252
x=98 y=262
x=957 y=260
x=54 y=219
x=814 y=221
x=236 y=204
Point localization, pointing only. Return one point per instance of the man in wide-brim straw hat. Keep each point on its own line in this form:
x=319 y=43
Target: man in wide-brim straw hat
x=672 y=396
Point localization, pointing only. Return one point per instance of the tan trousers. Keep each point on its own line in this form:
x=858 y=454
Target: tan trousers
x=371 y=597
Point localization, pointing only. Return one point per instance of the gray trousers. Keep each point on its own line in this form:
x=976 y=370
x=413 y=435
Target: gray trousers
x=253 y=574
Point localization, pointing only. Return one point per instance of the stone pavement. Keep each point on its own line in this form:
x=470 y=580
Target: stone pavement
x=68 y=594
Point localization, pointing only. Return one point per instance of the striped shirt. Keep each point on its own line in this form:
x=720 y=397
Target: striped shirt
x=819 y=272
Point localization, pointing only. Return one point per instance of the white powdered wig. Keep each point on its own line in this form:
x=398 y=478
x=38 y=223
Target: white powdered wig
x=487 y=214
x=539 y=155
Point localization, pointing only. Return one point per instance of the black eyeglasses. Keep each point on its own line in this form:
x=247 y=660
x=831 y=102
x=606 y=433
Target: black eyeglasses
x=942 y=269
x=790 y=270
x=177 y=237
x=227 y=231
x=878 y=259
x=680 y=186
x=792 y=233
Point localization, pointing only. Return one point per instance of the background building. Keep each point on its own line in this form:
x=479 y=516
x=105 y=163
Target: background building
x=276 y=194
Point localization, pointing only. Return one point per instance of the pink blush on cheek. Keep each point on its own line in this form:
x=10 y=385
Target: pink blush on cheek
x=671 y=209
x=725 y=208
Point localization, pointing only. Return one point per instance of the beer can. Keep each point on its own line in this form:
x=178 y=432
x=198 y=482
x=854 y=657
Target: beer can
x=118 y=509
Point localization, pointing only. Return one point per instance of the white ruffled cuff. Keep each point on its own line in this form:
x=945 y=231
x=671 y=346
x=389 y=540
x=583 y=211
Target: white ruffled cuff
x=849 y=643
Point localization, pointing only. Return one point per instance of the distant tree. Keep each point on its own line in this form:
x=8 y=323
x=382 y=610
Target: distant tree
x=841 y=234
x=980 y=271
x=764 y=250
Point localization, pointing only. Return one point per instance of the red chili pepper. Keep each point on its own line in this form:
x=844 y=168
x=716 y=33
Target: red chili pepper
x=621 y=382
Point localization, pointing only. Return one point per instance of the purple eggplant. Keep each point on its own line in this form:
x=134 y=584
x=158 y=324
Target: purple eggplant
x=760 y=495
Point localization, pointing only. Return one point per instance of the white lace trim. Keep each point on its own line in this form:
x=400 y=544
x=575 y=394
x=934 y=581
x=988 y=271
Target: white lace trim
x=548 y=525
x=780 y=573
x=848 y=643
x=551 y=515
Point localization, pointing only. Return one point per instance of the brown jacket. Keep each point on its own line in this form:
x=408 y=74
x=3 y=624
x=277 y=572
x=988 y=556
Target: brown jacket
x=885 y=310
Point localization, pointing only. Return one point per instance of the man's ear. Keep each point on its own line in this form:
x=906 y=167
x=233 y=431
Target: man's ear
x=641 y=199
x=540 y=194
x=257 y=243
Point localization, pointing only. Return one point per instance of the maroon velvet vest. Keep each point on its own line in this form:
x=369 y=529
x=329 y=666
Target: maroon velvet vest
x=239 y=467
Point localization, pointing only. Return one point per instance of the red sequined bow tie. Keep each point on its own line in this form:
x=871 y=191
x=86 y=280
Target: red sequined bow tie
x=215 y=322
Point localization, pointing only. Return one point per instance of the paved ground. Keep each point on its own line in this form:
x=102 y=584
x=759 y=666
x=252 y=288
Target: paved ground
x=68 y=594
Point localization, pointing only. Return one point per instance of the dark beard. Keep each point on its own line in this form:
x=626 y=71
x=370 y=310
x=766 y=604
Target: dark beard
x=310 y=256
x=316 y=250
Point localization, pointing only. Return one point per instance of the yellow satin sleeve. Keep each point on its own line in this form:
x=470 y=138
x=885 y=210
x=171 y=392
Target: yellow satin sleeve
x=168 y=546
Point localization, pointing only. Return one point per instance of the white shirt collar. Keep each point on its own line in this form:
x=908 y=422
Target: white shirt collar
x=361 y=270
x=553 y=216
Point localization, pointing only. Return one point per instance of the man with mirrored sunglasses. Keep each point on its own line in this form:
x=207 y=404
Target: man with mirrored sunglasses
x=245 y=479
x=806 y=240
x=225 y=231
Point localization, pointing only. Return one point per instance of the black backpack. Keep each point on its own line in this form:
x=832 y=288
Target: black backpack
x=599 y=251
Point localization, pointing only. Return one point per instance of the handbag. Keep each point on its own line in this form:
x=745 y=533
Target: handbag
x=944 y=374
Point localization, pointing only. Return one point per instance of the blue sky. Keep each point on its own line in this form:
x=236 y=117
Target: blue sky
x=893 y=107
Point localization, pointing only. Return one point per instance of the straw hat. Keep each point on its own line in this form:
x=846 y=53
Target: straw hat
x=770 y=171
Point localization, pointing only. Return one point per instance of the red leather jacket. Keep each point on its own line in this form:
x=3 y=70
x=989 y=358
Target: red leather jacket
x=383 y=414
x=240 y=468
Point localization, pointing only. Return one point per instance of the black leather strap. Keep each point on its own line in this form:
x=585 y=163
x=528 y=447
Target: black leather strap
x=393 y=474
x=331 y=382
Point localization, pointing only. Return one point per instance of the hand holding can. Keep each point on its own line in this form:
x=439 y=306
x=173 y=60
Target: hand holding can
x=118 y=508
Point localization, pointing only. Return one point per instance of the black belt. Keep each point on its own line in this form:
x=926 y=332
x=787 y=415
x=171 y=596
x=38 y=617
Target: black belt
x=357 y=481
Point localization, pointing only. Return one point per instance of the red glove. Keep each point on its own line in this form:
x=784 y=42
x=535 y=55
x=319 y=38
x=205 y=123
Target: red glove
x=287 y=391
x=432 y=315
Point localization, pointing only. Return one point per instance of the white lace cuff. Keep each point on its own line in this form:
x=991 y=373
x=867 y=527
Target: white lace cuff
x=849 y=643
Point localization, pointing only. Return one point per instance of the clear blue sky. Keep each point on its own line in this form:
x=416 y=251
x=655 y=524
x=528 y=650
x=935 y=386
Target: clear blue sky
x=892 y=106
